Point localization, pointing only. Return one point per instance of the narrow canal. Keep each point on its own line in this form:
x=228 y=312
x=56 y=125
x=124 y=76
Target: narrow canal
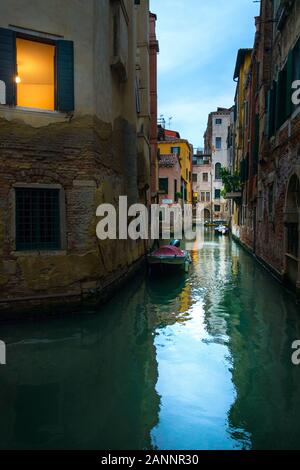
x=199 y=361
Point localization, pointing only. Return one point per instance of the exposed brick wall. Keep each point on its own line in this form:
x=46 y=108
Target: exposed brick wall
x=279 y=157
x=87 y=158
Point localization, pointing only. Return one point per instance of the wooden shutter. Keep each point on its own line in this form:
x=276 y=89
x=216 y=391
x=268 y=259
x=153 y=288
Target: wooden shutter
x=278 y=102
x=273 y=108
x=268 y=106
x=289 y=81
x=256 y=145
x=8 y=63
x=65 y=76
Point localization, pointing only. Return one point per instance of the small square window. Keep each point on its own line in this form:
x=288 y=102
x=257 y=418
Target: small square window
x=37 y=219
x=175 y=150
x=218 y=121
x=217 y=208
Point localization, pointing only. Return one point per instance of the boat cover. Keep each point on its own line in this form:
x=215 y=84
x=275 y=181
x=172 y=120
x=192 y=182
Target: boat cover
x=169 y=251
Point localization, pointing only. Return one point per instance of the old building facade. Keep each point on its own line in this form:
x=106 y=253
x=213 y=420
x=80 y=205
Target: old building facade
x=203 y=185
x=270 y=173
x=216 y=144
x=154 y=50
x=74 y=133
x=169 y=179
x=169 y=144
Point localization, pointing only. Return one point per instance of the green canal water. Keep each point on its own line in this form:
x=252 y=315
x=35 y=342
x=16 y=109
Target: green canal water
x=198 y=361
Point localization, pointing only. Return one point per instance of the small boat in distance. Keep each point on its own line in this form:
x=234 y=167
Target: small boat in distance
x=221 y=230
x=170 y=256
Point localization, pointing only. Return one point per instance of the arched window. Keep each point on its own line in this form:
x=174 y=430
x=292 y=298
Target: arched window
x=218 y=171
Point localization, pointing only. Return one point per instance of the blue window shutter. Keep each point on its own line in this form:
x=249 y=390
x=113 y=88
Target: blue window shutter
x=65 y=75
x=8 y=63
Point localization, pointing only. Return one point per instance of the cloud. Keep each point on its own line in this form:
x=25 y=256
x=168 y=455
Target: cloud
x=199 y=40
x=190 y=116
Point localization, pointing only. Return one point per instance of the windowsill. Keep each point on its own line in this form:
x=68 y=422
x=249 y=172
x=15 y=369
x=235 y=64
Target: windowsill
x=39 y=253
x=36 y=110
x=31 y=110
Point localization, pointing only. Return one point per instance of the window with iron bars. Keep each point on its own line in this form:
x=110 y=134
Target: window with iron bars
x=37 y=219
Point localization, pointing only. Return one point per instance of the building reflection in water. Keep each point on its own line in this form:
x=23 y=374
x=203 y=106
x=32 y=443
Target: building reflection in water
x=82 y=383
x=250 y=313
x=198 y=361
x=262 y=326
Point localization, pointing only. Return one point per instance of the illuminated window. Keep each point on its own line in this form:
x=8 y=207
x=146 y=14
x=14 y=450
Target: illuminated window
x=35 y=74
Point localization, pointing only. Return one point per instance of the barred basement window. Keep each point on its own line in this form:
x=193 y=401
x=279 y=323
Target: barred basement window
x=293 y=239
x=37 y=219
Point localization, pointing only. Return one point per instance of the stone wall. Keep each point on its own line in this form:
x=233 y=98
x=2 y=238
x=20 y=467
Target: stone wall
x=86 y=157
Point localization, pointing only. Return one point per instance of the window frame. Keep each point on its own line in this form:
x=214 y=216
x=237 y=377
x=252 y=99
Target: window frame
x=218 y=174
x=41 y=40
x=219 y=192
x=177 y=152
x=64 y=71
x=164 y=191
x=219 y=139
x=61 y=214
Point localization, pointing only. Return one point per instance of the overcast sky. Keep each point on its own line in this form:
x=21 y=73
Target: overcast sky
x=199 y=40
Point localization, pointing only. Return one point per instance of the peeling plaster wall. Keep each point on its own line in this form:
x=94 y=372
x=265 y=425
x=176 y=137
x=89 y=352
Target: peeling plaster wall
x=93 y=156
x=85 y=158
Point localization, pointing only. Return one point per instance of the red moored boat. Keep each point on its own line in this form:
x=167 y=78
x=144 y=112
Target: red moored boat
x=169 y=255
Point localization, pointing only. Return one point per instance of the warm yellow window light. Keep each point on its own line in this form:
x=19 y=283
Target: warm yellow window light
x=35 y=74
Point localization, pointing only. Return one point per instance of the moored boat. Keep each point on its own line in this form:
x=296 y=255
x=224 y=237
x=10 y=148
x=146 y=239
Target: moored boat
x=170 y=256
x=222 y=230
